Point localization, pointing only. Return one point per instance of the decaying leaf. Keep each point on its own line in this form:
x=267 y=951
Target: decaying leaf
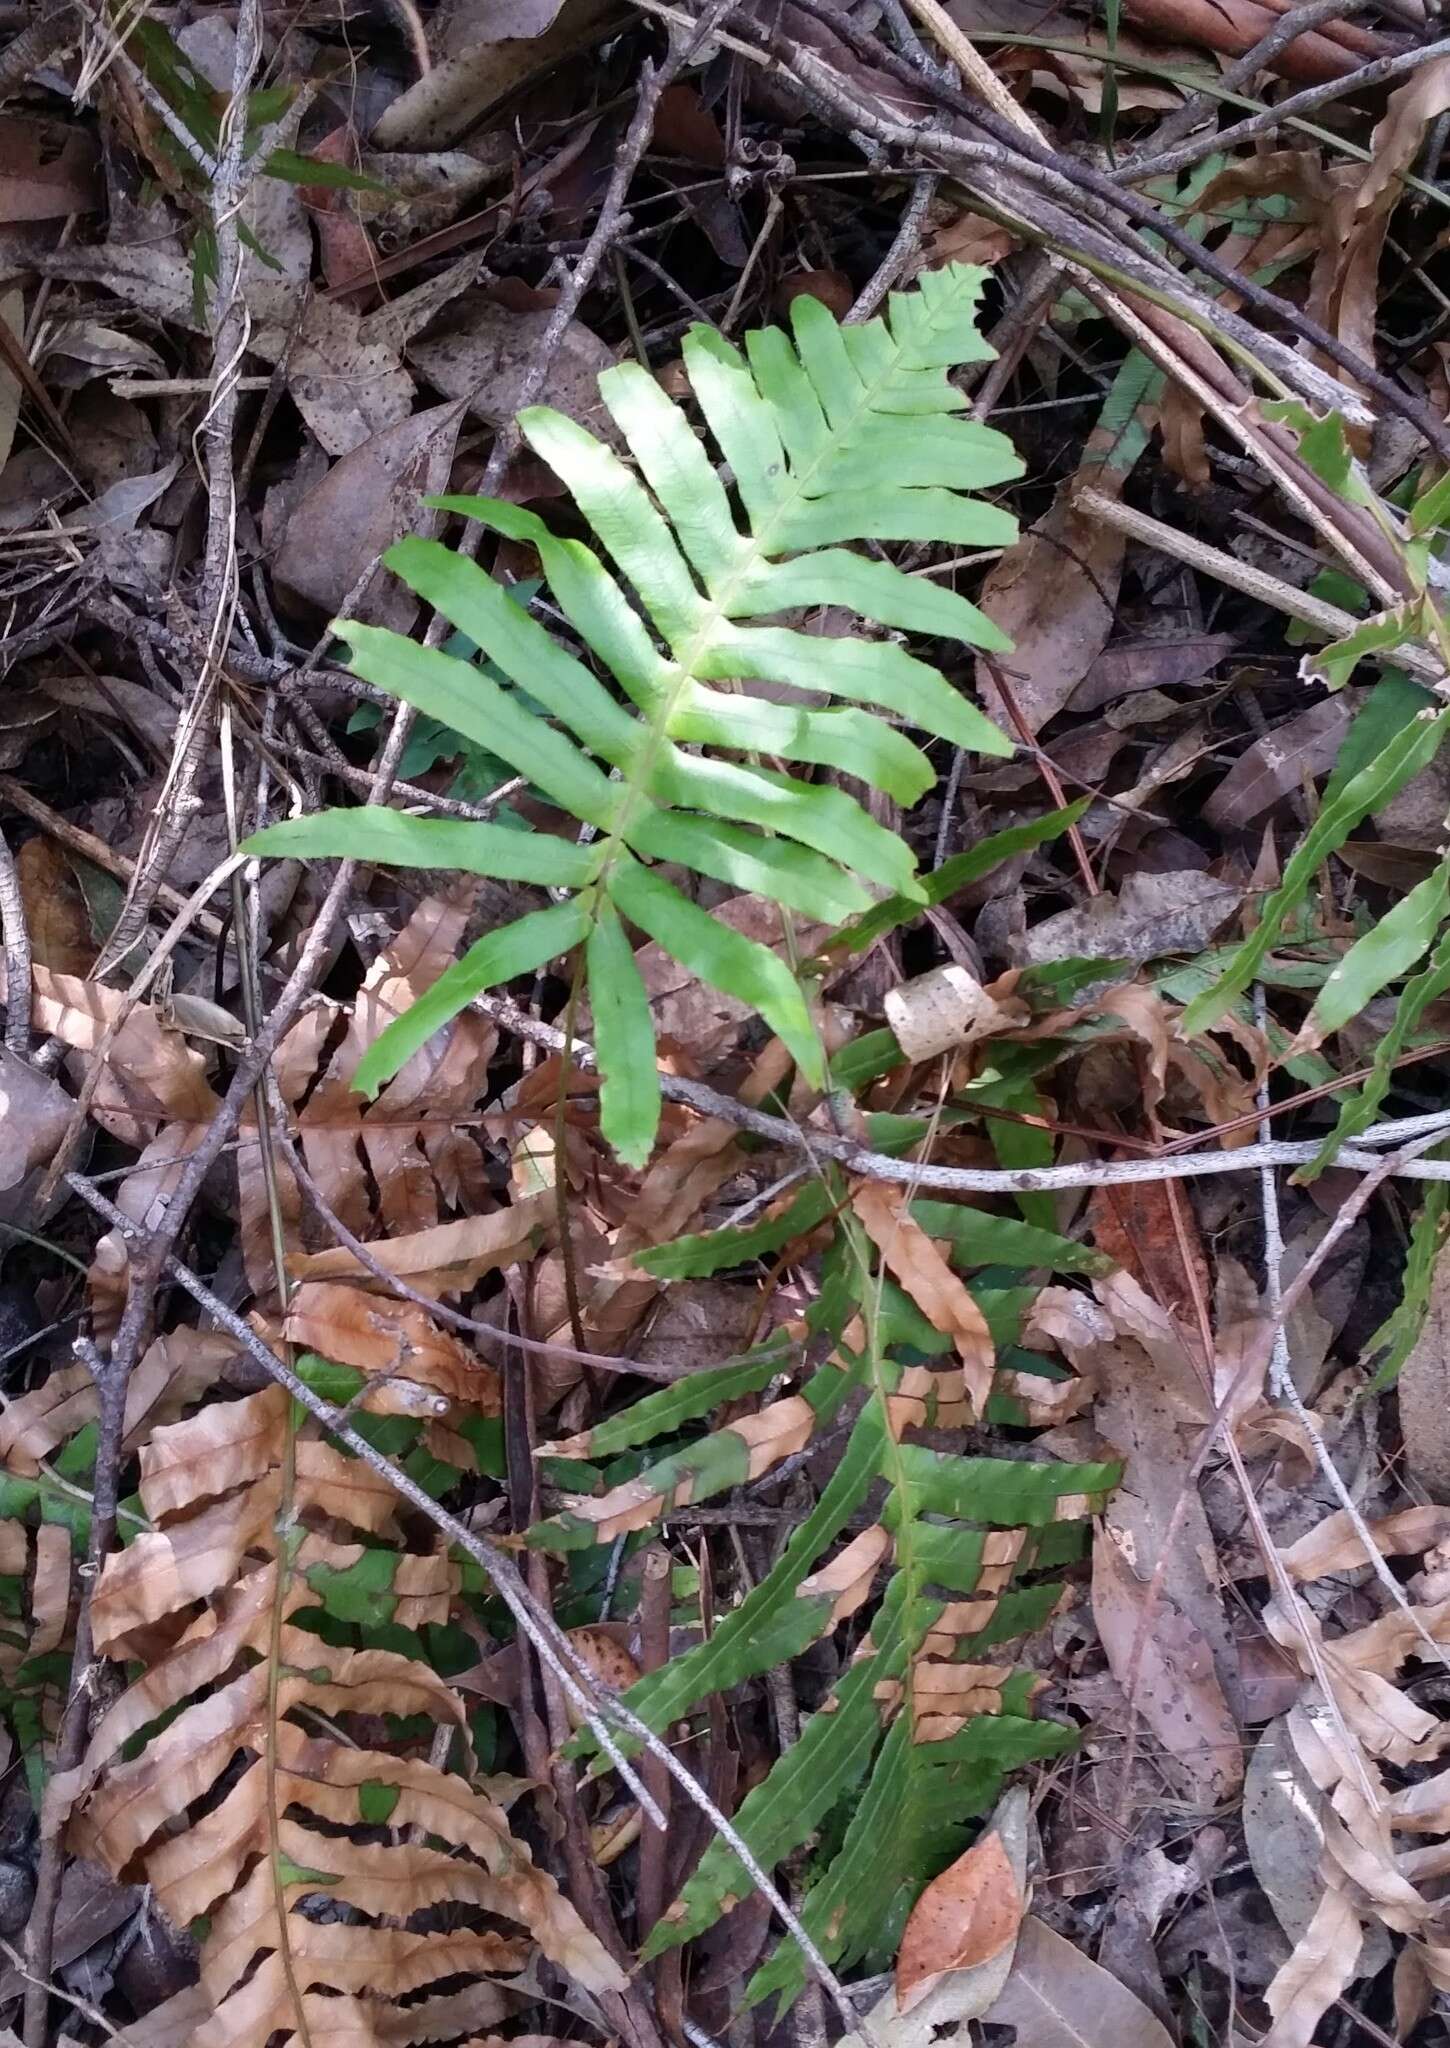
x=215 y=1482
x=370 y=496
x=1151 y=916
x=482 y=351
x=1057 y=1998
x=946 y=1008
x=1324 y=1963
x=964 y=1918
x=1163 y=1661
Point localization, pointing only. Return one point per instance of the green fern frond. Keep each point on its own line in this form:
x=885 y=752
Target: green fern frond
x=834 y=435
x=928 y=1716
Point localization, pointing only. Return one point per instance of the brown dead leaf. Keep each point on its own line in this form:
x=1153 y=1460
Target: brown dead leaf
x=1164 y=1664
x=1139 y=1226
x=1156 y=664
x=368 y=498
x=55 y=908
x=1057 y=1998
x=173 y=1372
x=346 y=386
x=1322 y=1967
x=1345 y=286
x=1233 y=26
x=445 y=1260
x=1054 y=592
x=455 y=95
x=35 y=1112
x=1281 y=761
x=1336 y=1546
x=379 y=1334
x=964 y=1917
x=914 y=1260
x=92 y=1905
x=482 y=352
x=48 y=170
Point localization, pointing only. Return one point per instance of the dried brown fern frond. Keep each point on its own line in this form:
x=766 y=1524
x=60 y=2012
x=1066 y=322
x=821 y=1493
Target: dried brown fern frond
x=400 y=1164
x=240 y=1774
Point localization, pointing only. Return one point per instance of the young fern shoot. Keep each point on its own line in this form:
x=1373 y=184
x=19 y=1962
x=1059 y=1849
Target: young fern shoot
x=833 y=434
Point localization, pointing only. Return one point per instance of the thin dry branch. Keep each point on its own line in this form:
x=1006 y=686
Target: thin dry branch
x=16 y=930
x=817 y=1143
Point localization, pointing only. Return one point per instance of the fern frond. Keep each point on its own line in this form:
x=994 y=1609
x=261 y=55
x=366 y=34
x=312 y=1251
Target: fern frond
x=833 y=435
x=225 y=1772
x=929 y=1715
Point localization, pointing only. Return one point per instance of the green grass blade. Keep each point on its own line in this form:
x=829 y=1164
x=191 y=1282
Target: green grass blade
x=956 y=874
x=1360 y=1109
x=1388 y=950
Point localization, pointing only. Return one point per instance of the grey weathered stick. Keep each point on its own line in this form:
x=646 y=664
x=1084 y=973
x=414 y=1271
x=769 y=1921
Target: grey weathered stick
x=1380 y=72
x=1200 y=105
x=1252 y=582
x=972 y=1180
x=16 y=931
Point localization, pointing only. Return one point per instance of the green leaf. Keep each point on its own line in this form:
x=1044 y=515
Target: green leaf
x=1385 y=952
x=663 y=1413
x=362 y=1593
x=978 y=1239
x=517 y=644
x=289 y=1872
x=516 y=948
x=777 y=869
x=1432 y=508
x=1389 y=706
x=375 y=1803
x=1324 y=445
x=397 y=839
x=629 y=1095
x=1412 y=749
x=295 y=169
x=1379 y=635
x=834 y=435
x=722 y=957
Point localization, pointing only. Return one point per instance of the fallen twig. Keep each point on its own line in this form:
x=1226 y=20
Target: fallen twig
x=17 y=955
x=1091 y=1173
x=1242 y=576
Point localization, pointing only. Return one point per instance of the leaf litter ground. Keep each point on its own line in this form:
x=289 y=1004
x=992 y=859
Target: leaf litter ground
x=1045 y=1583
